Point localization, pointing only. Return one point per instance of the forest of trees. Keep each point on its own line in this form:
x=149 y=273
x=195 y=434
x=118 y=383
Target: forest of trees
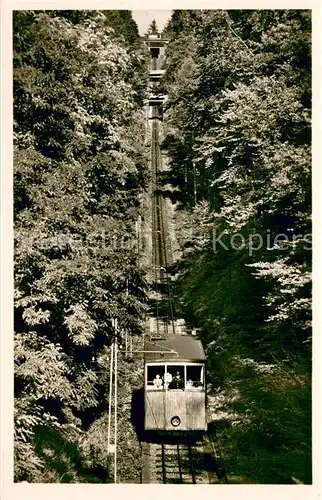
x=80 y=79
x=238 y=139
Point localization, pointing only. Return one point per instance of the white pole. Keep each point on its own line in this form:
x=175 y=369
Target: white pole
x=115 y=405
x=194 y=184
x=110 y=399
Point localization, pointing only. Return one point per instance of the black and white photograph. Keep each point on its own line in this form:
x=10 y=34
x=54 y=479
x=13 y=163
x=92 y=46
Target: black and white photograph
x=162 y=214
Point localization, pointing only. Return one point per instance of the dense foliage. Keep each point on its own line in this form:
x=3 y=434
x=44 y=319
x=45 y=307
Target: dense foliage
x=237 y=132
x=238 y=138
x=80 y=166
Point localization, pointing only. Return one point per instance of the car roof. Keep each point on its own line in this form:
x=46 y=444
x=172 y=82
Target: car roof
x=184 y=348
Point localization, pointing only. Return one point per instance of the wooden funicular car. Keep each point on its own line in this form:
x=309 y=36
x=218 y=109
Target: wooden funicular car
x=174 y=389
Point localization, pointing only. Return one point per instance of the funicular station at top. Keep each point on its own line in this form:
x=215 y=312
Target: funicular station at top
x=156 y=44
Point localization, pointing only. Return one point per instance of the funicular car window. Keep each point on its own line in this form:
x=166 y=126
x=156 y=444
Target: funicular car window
x=174 y=377
x=194 y=377
x=155 y=376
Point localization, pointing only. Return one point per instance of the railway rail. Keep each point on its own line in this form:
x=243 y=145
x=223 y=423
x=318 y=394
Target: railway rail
x=167 y=462
x=181 y=463
x=160 y=250
x=174 y=463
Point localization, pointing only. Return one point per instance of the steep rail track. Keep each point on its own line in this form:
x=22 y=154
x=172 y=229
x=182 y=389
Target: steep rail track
x=174 y=463
x=160 y=250
x=180 y=462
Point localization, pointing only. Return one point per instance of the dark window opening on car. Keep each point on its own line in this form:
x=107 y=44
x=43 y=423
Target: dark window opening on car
x=155 y=376
x=194 y=377
x=174 y=377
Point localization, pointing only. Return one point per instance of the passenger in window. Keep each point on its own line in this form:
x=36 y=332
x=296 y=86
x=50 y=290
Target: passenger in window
x=177 y=382
x=167 y=379
x=189 y=384
x=198 y=383
x=157 y=382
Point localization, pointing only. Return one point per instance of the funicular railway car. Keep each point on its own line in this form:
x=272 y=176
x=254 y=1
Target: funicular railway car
x=174 y=390
x=156 y=107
